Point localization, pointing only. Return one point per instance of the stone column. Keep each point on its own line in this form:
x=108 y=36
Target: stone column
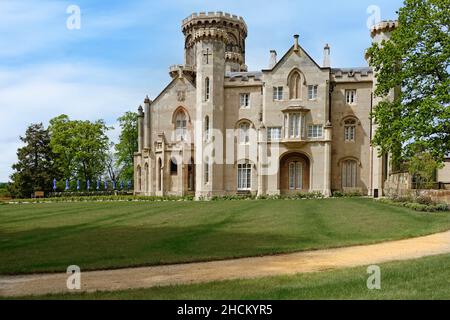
x=147 y=124
x=140 y=129
x=262 y=152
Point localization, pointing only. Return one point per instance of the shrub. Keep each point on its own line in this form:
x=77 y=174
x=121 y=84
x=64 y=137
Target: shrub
x=417 y=206
x=348 y=194
x=338 y=194
x=424 y=200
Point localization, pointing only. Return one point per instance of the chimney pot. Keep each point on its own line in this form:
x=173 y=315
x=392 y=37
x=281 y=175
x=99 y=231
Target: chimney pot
x=273 y=59
x=326 y=56
x=296 y=36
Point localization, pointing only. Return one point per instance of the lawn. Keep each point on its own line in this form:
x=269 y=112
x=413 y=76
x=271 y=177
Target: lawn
x=98 y=235
x=425 y=278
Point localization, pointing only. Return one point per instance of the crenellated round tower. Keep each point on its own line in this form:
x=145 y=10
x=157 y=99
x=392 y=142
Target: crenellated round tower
x=229 y=29
x=380 y=164
x=214 y=45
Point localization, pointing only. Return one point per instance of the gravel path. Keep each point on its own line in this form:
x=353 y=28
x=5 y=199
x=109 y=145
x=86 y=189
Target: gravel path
x=307 y=261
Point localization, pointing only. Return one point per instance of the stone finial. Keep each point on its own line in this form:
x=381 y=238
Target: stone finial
x=296 y=47
x=273 y=59
x=147 y=100
x=140 y=111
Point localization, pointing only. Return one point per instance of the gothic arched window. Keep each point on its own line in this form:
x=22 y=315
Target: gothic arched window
x=244 y=133
x=180 y=125
x=295 y=85
x=350 y=130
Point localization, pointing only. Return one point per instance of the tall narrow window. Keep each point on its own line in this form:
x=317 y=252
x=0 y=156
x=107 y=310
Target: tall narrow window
x=312 y=92
x=245 y=100
x=207 y=130
x=350 y=96
x=244 y=176
x=295 y=176
x=206 y=170
x=295 y=86
x=349 y=172
x=191 y=175
x=146 y=178
x=295 y=124
x=244 y=133
x=350 y=130
x=173 y=167
x=207 y=89
x=180 y=126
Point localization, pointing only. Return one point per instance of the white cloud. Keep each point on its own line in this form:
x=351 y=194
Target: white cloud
x=38 y=93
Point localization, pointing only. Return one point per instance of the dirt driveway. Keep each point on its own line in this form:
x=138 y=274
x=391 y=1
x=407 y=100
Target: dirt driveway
x=307 y=261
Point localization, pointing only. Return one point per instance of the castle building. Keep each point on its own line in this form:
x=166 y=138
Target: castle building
x=296 y=126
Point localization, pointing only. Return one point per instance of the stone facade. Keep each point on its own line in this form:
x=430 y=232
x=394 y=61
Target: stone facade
x=219 y=129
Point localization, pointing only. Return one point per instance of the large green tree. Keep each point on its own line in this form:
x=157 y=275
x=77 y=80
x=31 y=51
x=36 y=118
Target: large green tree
x=35 y=168
x=127 y=145
x=415 y=62
x=81 y=147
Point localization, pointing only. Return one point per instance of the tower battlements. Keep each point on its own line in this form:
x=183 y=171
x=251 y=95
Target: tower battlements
x=214 y=19
x=383 y=27
x=230 y=29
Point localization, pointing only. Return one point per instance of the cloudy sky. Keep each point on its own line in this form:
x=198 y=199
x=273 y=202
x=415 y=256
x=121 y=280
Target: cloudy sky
x=124 y=48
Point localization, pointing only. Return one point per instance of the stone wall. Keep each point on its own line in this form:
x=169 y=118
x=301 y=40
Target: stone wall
x=398 y=184
x=439 y=196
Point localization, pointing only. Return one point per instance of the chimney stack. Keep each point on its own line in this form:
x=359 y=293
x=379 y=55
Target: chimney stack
x=273 y=59
x=326 y=56
x=296 y=42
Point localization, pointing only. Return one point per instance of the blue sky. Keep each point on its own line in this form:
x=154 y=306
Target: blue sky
x=124 y=48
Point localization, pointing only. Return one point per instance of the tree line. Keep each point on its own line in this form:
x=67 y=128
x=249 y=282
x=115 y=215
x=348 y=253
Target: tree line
x=73 y=150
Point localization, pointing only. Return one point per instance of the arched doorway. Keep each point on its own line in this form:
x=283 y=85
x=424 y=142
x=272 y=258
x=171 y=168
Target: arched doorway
x=294 y=173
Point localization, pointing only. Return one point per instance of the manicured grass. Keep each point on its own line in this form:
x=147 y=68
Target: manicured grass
x=426 y=278
x=50 y=237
